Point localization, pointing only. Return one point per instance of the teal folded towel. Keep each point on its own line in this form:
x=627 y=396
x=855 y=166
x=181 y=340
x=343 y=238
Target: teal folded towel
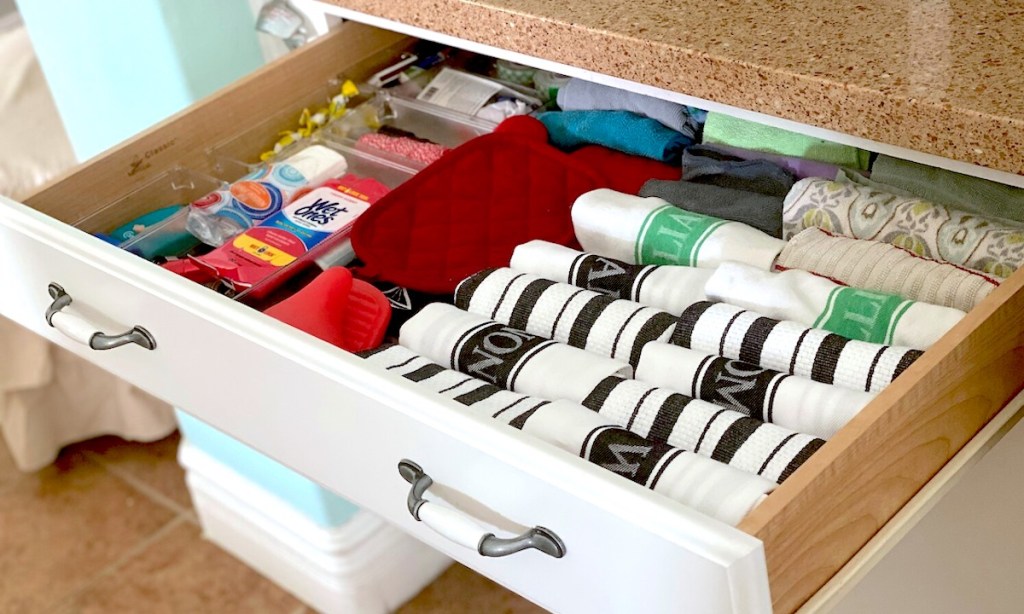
x=620 y=130
x=735 y=132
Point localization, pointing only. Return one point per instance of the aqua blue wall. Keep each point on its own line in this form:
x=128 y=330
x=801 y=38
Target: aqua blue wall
x=117 y=67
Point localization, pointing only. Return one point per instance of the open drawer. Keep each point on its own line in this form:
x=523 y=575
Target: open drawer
x=329 y=416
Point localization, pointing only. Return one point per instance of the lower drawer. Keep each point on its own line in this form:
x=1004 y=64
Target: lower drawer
x=325 y=414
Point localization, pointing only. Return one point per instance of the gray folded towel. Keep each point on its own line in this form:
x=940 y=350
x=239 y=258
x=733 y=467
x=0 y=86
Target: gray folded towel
x=707 y=164
x=757 y=210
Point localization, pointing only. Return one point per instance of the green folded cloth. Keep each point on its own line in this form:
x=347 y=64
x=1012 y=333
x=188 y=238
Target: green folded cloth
x=728 y=130
x=971 y=194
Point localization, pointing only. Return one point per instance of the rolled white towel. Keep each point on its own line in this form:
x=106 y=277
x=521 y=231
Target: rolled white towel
x=790 y=401
x=814 y=301
x=734 y=332
x=504 y=356
x=581 y=318
x=651 y=231
x=722 y=434
x=710 y=487
x=672 y=288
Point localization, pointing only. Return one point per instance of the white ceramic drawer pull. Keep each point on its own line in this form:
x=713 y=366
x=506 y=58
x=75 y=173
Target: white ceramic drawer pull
x=465 y=531
x=82 y=331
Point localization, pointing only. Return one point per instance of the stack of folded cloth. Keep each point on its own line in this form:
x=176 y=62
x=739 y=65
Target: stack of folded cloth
x=582 y=95
x=728 y=130
x=800 y=168
x=595 y=114
x=747 y=191
x=716 y=489
x=989 y=245
x=526 y=363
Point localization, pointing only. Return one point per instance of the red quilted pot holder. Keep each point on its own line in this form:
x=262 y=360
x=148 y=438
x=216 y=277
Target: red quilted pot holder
x=470 y=209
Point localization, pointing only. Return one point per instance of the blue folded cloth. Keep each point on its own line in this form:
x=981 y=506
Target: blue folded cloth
x=581 y=95
x=620 y=130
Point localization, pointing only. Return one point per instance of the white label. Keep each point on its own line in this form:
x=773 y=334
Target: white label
x=459 y=91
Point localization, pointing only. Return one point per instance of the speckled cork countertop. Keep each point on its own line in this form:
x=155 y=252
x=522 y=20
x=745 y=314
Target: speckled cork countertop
x=944 y=77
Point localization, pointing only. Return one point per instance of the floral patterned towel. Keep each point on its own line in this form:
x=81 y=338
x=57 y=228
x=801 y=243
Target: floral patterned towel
x=934 y=231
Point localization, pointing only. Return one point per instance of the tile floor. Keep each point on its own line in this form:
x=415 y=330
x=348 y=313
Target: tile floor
x=110 y=528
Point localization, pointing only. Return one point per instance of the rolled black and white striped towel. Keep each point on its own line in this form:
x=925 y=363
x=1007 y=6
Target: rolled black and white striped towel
x=504 y=356
x=581 y=318
x=672 y=288
x=712 y=488
x=733 y=332
x=722 y=434
x=794 y=402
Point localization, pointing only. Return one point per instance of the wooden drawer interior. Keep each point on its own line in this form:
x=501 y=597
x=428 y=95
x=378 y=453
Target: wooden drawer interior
x=819 y=517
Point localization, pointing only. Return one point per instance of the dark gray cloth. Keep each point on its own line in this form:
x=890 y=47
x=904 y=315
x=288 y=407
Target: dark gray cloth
x=758 y=210
x=708 y=165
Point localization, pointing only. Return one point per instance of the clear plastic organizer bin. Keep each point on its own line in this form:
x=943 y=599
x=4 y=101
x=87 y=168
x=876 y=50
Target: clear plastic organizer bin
x=182 y=186
x=178 y=186
x=336 y=250
x=239 y=155
x=430 y=122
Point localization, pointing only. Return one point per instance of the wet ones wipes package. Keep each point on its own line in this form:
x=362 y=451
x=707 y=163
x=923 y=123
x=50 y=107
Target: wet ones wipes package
x=264 y=256
x=251 y=200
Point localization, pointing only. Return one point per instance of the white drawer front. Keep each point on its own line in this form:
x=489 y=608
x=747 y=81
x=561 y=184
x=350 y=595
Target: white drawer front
x=326 y=414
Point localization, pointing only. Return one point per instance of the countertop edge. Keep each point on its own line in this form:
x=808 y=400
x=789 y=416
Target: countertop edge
x=942 y=130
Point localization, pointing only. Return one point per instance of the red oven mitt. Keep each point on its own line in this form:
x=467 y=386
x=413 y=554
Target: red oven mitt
x=471 y=208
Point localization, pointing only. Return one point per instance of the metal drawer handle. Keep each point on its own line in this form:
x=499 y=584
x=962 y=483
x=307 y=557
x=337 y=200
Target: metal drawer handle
x=82 y=331
x=463 y=530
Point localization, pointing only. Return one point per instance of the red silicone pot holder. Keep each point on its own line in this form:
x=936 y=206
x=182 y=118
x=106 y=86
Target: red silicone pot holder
x=470 y=209
x=346 y=312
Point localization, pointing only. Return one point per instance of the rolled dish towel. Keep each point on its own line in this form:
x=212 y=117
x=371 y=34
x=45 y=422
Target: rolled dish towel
x=722 y=434
x=734 y=332
x=506 y=357
x=881 y=267
x=800 y=168
x=582 y=95
x=814 y=301
x=710 y=487
x=971 y=194
x=620 y=130
x=672 y=288
x=934 y=231
x=796 y=403
x=600 y=324
x=728 y=130
x=759 y=211
x=651 y=231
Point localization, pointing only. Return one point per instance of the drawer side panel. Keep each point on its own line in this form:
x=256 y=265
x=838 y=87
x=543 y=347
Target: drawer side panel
x=826 y=511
